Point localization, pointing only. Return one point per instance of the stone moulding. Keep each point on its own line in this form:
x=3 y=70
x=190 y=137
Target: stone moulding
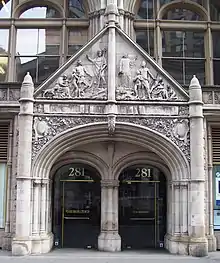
x=175 y=129
x=46 y=128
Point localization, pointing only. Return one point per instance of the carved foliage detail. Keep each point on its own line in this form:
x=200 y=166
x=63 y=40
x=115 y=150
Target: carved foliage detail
x=139 y=83
x=177 y=130
x=45 y=128
x=86 y=79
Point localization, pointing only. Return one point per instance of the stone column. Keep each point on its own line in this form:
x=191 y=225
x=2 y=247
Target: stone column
x=198 y=244
x=36 y=207
x=109 y=239
x=176 y=189
x=44 y=212
x=184 y=208
x=111 y=13
x=21 y=244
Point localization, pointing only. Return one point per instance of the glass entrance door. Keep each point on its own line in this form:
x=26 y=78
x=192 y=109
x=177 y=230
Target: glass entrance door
x=76 y=208
x=142 y=208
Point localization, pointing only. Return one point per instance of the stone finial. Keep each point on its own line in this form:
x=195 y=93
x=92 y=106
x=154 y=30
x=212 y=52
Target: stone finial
x=111 y=9
x=195 y=91
x=27 y=87
x=28 y=78
x=194 y=83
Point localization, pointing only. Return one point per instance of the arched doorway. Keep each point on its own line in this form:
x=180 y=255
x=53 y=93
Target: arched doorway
x=142 y=207
x=76 y=206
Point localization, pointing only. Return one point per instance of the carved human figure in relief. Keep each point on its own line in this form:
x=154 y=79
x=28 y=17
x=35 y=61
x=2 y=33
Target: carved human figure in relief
x=61 y=88
x=142 y=82
x=125 y=71
x=100 y=65
x=171 y=93
x=158 y=90
x=79 y=82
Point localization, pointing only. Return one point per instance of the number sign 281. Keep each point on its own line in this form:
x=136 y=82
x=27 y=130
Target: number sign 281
x=143 y=173
x=76 y=172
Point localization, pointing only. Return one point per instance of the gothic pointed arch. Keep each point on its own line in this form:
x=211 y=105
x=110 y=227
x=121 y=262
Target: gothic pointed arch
x=98 y=132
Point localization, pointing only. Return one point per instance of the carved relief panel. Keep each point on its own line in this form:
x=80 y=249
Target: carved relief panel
x=138 y=79
x=85 y=78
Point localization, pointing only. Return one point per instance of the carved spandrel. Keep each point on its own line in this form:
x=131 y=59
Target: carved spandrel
x=177 y=130
x=86 y=79
x=138 y=82
x=45 y=128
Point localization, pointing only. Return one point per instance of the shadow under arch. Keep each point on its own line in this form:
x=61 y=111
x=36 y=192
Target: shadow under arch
x=140 y=158
x=80 y=157
x=187 y=4
x=32 y=3
x=98 y=132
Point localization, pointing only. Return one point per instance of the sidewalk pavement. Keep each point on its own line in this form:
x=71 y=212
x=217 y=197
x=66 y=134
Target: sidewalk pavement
x=89 y=256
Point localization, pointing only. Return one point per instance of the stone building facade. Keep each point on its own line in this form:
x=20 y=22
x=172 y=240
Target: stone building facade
x=110 y=150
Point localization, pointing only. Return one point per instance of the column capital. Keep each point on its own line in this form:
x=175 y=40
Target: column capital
x=179 y=184
x=109 y=183
x=37 y=182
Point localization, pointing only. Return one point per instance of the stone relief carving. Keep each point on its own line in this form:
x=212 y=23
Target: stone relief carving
x=177 y=130
x=38 y=108
x=83 y=81
x=40 y=128
x=143 y=85
x=181 y=129
x=14 y=94
x=111 y=124
x=45 y=128
x=207 y=97
x=217 y=97
x=3 y=94
x=183 y=110
x=125 y=76
x=100 y=65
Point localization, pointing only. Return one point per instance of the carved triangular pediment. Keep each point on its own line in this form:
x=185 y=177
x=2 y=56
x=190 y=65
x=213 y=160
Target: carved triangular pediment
x=139 y=77
x=85 y=74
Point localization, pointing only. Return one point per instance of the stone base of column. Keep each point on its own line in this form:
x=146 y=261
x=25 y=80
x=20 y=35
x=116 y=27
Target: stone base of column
x=42 y=244
x=109 y=241
x=212 y=243
x=198 y=247
x=6 y=242
x=21 y=246
x=177 y=244
x=32 y=245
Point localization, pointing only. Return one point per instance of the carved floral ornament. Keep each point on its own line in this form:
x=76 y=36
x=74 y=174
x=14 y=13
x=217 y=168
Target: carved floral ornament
x=45 y=128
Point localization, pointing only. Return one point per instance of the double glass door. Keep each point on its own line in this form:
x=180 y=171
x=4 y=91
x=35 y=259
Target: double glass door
x=77 y=209
x=142 y=208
